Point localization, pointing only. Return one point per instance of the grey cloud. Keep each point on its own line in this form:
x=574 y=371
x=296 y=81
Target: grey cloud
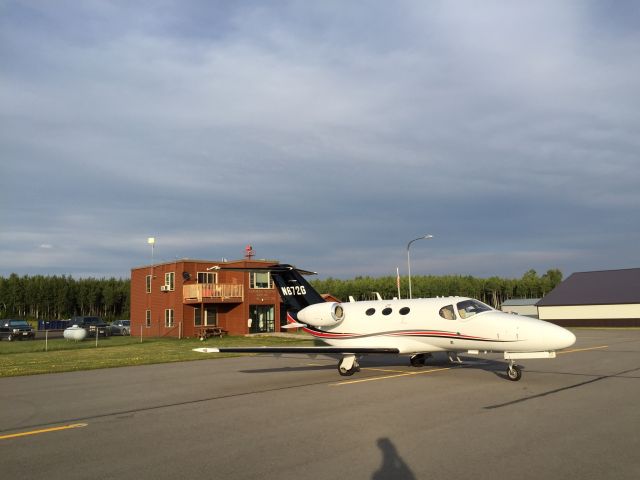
x=327 y=135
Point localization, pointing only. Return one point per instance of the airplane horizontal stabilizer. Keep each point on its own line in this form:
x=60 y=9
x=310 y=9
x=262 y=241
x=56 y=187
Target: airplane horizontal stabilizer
x=312 y=350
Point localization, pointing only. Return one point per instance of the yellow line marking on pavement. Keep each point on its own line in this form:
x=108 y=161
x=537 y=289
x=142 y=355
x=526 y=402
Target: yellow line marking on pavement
x=385 y=370
x=583 y=349
x=45 y=430
x=385 y=377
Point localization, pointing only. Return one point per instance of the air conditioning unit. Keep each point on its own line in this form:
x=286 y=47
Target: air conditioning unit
x=165 y=288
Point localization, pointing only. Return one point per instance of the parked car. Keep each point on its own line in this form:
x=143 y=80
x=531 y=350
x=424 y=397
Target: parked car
x=91 y=325
x=16 y=329
x=120 y=327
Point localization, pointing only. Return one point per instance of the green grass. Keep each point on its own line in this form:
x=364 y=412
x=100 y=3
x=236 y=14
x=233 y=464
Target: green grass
x=30 y=358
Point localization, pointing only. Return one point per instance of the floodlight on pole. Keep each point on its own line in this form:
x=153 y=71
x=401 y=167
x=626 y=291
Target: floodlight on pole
x=151 y=241
x=423 y=237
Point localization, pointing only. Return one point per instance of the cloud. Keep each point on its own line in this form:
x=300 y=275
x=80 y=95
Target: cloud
x=325 y=135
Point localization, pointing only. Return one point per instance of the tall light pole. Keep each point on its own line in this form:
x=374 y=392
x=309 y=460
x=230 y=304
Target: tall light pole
x=423 y=237
x=151 y=241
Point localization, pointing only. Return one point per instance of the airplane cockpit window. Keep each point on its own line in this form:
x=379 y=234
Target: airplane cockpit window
x=386 y=311
x=404 y=310
x=468 y=308
x=447 y=313
x=370 y=311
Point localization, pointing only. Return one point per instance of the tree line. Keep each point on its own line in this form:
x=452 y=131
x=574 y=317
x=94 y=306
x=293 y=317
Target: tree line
x=492 y=291
x=41 y=297
x=60 y=297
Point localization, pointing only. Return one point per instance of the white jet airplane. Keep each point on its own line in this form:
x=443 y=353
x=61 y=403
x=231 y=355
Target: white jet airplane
x=415 y=327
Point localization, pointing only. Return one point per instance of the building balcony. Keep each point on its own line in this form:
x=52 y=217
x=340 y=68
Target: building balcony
x=213 y=293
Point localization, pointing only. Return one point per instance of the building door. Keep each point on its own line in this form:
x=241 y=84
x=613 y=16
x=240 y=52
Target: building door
x=262 y=318
x=211 y=316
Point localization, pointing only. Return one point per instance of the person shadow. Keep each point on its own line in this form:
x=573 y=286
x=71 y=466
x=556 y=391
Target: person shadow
x=393 y=466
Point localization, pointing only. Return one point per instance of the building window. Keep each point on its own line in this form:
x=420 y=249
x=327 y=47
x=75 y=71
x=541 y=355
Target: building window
x=148 y=281
x=147 y=319
x=168 y=318
x=169 y=280
x=262 y=318
x=207 y=277
x=260 y=280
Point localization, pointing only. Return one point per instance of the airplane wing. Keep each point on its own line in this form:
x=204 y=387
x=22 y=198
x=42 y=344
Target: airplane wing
x=312 y=350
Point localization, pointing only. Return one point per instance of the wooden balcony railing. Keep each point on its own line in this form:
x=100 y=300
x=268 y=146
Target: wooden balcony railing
x=213 y=291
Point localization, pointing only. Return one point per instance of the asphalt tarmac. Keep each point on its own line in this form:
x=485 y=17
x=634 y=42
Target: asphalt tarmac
x=294 y=417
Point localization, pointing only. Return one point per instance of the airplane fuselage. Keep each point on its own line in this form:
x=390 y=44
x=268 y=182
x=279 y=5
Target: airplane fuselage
x=436 y=324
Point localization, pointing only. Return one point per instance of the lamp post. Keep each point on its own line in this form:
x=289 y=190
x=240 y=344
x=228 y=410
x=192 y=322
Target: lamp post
x=151 y=241
x=423 y=237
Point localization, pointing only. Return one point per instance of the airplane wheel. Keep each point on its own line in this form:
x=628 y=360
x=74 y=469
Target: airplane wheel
x=514 y=373
x=350 y=371
x=418 y=360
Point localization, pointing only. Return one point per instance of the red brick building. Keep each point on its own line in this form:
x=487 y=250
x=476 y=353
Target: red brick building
x=180 y=298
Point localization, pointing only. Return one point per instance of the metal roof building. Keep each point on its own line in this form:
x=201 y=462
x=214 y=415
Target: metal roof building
x=603 y=298
x=521 y=306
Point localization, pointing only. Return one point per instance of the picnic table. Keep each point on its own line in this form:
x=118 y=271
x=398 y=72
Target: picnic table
x=205 y=332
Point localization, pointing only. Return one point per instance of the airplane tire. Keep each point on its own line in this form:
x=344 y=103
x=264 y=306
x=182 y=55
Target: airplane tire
x=418 y=360
x=346 y=373
x=514 y=373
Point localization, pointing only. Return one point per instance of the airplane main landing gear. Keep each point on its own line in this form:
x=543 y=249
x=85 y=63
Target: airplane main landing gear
x=348 y=366
x=418 y=359
x=514 y=372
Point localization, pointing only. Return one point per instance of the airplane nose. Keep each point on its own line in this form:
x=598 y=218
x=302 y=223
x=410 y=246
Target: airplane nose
x=562 y=338
x=568 y=338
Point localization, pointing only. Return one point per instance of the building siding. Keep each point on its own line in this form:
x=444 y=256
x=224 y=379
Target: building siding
x=589 y=312
x=233 y=313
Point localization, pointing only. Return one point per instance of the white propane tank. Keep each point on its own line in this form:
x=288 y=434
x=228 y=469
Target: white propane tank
x=75 y=333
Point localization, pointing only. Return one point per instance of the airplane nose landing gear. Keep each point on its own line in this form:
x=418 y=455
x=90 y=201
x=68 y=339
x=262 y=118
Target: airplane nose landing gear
x=514 y=372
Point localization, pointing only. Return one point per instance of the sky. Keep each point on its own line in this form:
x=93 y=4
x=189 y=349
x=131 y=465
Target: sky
x=325 y=134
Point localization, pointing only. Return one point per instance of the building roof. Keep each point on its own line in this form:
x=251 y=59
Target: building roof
x=520 y=302
x=607 y=287
x=224 y=263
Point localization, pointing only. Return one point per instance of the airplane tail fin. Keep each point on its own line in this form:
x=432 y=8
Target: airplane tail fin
x=295 y=291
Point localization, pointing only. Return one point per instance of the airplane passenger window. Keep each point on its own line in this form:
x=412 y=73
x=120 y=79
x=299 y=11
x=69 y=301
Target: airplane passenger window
x=447 y=313
x=386 y=311
x=468 y=308
x=404 y=310
x=370 y=311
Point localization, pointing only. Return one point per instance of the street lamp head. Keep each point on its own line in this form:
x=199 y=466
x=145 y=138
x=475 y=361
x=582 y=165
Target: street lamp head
x=427 y=236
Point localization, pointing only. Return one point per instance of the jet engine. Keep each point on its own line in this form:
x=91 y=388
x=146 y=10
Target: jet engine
x=322 y=314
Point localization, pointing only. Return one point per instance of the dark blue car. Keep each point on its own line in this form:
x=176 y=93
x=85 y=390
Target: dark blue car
x=16 y=330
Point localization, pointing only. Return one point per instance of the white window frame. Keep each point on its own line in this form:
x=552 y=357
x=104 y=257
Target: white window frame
x=213 y=275
x=169 y=280
x=168 y=318
x=148 y=283
x=252 y=281
x=147 y=318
